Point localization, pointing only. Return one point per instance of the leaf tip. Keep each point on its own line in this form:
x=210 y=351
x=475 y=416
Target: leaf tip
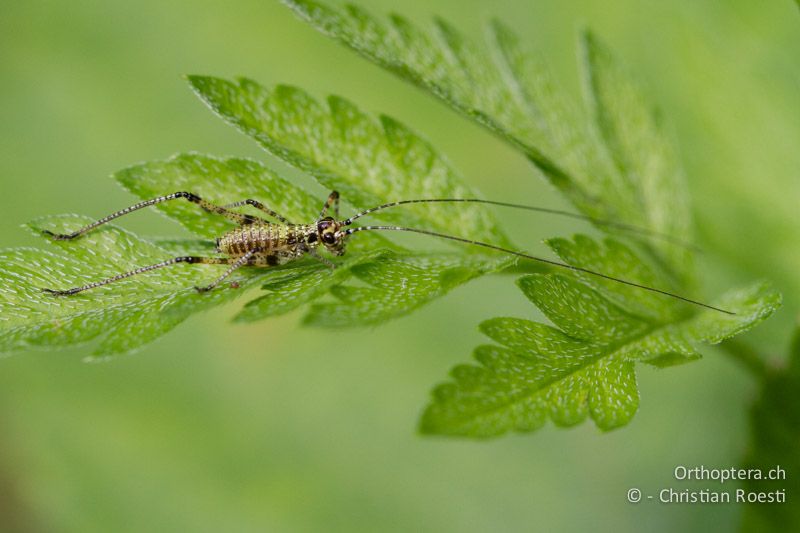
x=588 y=39
x=427 y=424
x=448 y=31
x=319 y=15
x=193 y=79
x=202 y=84
x=501 y=34
x=299 y=6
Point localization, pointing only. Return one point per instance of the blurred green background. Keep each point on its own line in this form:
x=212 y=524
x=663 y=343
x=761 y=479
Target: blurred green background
x=276 y=427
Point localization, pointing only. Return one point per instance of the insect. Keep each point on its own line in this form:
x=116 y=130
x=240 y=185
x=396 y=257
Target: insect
x=260 y=243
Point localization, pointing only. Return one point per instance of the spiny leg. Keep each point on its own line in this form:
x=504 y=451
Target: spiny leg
x=235 y=265
x=258 y=205
x=168 y=262
x=333 y=199
x=208 y=206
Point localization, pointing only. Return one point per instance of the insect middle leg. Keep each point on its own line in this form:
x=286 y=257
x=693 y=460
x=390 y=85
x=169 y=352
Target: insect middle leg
x=168 y=262
x=235 y=265
x=333 y=199
x=204 y=204
x=260 y=206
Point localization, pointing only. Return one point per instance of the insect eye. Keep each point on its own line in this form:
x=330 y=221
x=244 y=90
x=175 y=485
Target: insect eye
x=328 y=238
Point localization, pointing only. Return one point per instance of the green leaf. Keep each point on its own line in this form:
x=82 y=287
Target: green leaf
x=396 y=285
x=612 y=159
x=612 y=258
x=122 y=317
x=620 y=168
x=651 y=178
x=475 y=80
x=370 y=162
x=176 y=246
x=774 y=441
x=221 y=181
x=286 y=293
x=582 y=365
x=130 y=313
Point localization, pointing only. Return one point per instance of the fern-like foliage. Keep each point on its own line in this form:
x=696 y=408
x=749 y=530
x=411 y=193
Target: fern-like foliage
x=121 y=318
x=611 y=158
x=584 y=366
x=366 y=160
x=133 y=312
x=395 y=164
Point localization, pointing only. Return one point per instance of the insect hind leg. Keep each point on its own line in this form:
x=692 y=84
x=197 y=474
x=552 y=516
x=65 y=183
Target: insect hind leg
x=142 y=270
x=191 y=197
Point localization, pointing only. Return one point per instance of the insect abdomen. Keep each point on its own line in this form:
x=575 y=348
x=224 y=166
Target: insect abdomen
x=263 y=238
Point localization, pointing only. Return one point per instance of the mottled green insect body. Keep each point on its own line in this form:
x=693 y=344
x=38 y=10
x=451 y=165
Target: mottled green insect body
x=271 y=244
x=275 y=244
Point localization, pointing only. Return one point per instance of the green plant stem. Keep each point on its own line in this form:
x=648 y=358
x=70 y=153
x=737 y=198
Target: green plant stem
x=747 y=357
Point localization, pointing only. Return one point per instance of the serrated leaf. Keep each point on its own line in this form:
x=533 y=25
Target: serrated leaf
x=396 y=285
x=626 y=171
x=286 y=293
x=452 y=67
x=221 y=181
x=224 y=181
x=620 y=167
x=373 y=161
x=774 y=441
x=613 y=258
x=368 y=161
x=652 y=178
x=133 y=312
x=122 y=318
x=583 y=365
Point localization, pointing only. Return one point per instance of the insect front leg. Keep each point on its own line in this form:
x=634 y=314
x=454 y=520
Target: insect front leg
x=191 y=197
x=142 y=270
x=324 y=260
x=333 y=199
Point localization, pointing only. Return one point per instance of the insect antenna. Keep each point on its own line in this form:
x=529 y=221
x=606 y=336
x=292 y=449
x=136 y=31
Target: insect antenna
x=350 y=231
x=598 y=221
